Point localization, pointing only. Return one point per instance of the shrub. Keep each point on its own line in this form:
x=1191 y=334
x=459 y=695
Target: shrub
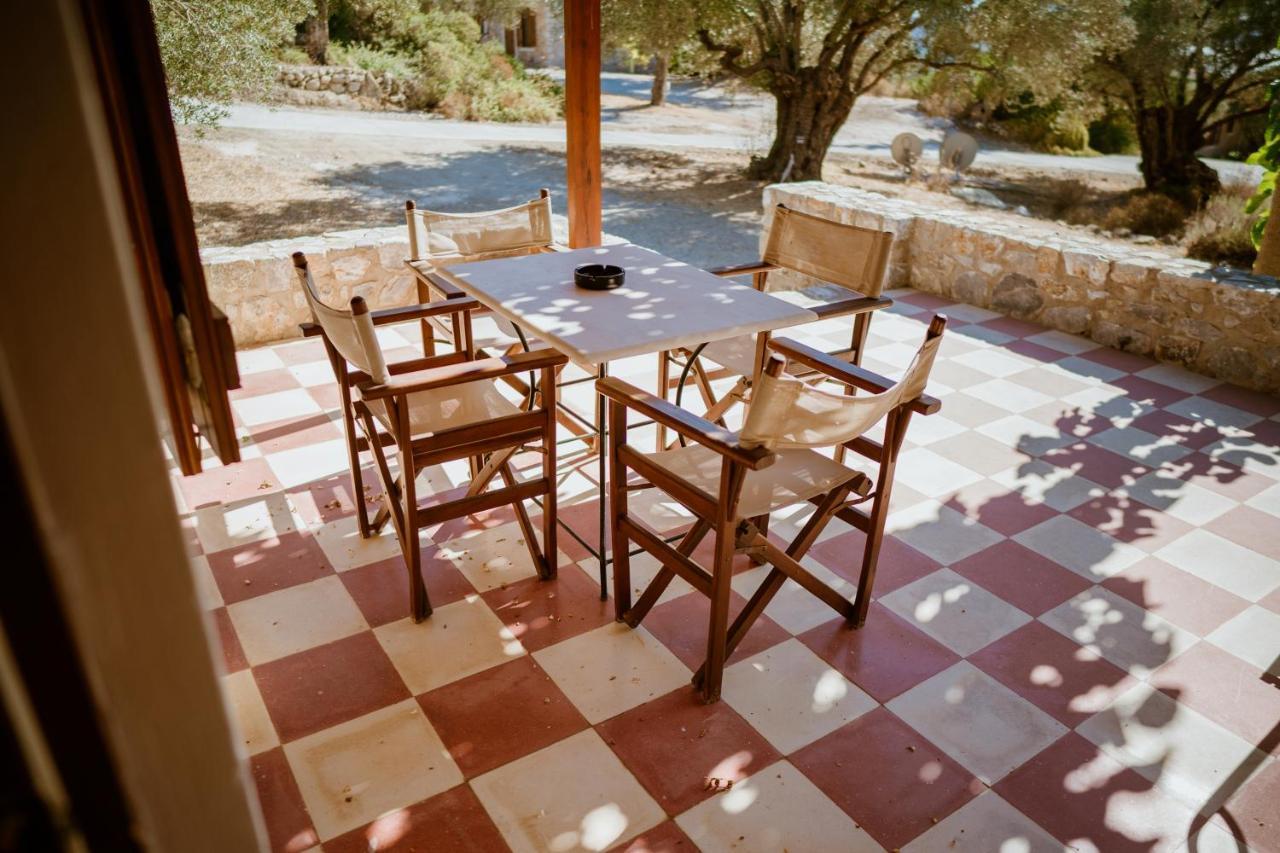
x=368 y=21
x=372 y=59
x=1219 y=231
x=1113 y=134
x=1147 y=213
x=290 y=55
x=1063 y=197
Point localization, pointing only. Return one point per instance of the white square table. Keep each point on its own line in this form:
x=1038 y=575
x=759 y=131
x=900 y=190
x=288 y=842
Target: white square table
x=664 y=304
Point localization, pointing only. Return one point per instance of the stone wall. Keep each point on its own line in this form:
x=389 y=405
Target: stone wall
x=1218 y=321
x=381 y=87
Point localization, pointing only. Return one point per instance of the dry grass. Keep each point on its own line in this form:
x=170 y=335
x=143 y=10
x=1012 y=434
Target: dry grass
x=1219 y=232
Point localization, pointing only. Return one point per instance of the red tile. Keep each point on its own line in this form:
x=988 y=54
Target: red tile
x=1180 y=597
x=454 y=821
x=899 y=563
x=681 y=624
x=290 y=434
x=1130 y=521
x=1188 y=433
x=329 y=499
x=496 y=716
x=1255 y=402
x=1043 y=354
x=1015 y=327
x=1227 y=690
x=233 y=659
x=328 y=397
x=893 y=782
x=1125 y=361
x=1145 y=391
x=1272 y=601
x=705 y=553
x=255 y=569
x=265 y=382
x=327 y=685
x=1103 y=467
x=455 y=527
x=1025 y=579
x=301 y=352
x=925 y=300
x=381 y=589
x=1253 y=810
x=885 y=657
x=664 y=838
x=1251 y=528
x=288 y=824
x=250 y=478
x=1000 y=508
x=541 y=613
x=1053 y=673
x=676 y=743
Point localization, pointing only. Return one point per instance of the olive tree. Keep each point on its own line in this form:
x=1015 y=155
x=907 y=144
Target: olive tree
x=1193 y=65
x=215 y=51
x=656 y=27
x=818 y=57
x=1266 y=235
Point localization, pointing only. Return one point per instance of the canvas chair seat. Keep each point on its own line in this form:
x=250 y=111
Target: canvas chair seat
x=793 y=478
x=455 y=406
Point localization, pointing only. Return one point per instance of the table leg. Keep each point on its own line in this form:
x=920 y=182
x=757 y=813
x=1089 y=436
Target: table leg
x=602 y=431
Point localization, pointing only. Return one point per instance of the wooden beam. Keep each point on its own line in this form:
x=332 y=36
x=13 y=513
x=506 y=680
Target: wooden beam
x=582 y=120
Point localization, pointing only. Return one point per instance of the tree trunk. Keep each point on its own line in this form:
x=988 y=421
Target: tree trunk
x=808 y=116
x=658 y=96
x=315 y=33
x=1168 y=138
x=1268 y=262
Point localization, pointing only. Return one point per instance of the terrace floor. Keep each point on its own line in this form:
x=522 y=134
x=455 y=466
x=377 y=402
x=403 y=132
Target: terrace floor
x=1075 y=641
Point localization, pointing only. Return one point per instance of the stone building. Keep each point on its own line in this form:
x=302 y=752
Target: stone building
x=536 y=39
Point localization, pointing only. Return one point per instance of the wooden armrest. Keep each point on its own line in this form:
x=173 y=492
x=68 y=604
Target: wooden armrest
x=846 y=372
x=848 y=307
x=742 y=269
x=309 y=329
x=684 y=422
x=429 y=309
x=456 y=374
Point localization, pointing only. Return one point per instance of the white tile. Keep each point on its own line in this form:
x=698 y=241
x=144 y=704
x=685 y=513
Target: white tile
x=313 y=373
x=955 y=611
x=776 y=810
x=1236 y=569
x=1268 y=501
x=290 y=620
x=1058 y=488
x=644 y=568
x=455 y=641
x=310 y=462
x=612 y=669
x=931 y=474
x=969 y=314
x=572 y=795
x=1006 y=395
x=1185 y=501
x=978 y=721
x=1075 y=545
x=223 y=526
x=250 y=721
x=993 y=362
x=791 y=696
x=1255 y=457
x=492 y=557
x=925 y=431
x=346 y=549
x=794 y=607
x=1177 y=377
x=251 y=361
x=986 y=824
x=1021 y=433
x=278 y=406
x=1254 y=636
x=1063 y=342
x=1140 y=446
x=206 y=587
x=1182 y=751
x=354 y=772
x=1088 y=371
x=1212 y=413
x=940 y=532
x=1132 y=638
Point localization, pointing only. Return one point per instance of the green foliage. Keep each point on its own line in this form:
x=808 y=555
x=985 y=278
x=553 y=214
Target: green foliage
x=372 y=59
x=1221 y=231
x=215 y=51
x=650 y=27
x=1268 y=157
x=1113 y=134
x=291 y=55
x=1147 y=213
x=369 y=21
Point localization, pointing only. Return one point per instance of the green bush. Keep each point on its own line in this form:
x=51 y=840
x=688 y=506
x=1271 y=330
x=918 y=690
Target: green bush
x=1113 y=134
x=1220 y=231
x=290 y=55
x=368 y=21
x=372 y=59
x=1147 y=213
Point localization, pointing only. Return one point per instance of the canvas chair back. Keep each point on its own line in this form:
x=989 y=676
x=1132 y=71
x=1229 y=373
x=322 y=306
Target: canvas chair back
x=460 y=237
x=351 y=332
x=848 y=255
x=786 y=413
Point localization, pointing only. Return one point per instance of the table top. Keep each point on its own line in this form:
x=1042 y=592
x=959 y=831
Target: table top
x=665 y=304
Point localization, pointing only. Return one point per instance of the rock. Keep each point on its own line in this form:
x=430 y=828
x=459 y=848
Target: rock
x=1122 y=338
x=1017 y=296
x=977 y=195
x=1068 y=318
x=971 y=288
x=369 y=88
x=1143 y=239
x=1180 y=350
x=312 y=84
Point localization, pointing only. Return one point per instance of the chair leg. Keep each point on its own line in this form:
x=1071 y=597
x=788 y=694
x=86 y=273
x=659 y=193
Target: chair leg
x=665 y=576
x=621 y=543
x=718 y=629
x=550 y=532
x=664 y=382
x=428 y=338
x=761 y=523
x=544 y=563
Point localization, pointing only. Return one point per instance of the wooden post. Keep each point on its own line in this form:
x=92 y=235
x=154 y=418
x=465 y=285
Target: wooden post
x=582 y=119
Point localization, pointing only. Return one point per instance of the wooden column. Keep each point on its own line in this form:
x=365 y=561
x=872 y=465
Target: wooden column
x=582 y=119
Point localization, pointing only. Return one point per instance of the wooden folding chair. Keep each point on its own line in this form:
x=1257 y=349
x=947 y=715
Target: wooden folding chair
x=733 y=483
x=433 y=410
x=848 y=263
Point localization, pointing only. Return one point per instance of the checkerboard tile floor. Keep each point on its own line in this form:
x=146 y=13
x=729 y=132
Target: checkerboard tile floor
x=1075 y=642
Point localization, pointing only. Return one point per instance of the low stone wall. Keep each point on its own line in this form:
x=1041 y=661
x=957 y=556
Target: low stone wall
x=381 y=87
x=1218 y=321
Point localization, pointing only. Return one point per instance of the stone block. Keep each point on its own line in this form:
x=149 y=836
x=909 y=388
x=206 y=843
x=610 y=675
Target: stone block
x=1017 y=295
x=1067 y=318
x=1122 y=338
x=970 y=287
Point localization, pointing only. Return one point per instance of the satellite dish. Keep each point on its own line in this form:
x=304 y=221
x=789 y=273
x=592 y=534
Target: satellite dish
x=906 y=150
x=958 y=151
